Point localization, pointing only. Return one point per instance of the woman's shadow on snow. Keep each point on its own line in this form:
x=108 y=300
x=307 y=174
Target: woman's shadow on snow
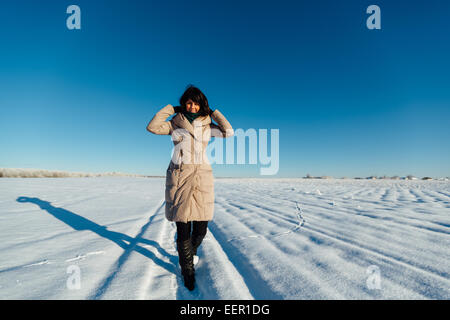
x=124 y=241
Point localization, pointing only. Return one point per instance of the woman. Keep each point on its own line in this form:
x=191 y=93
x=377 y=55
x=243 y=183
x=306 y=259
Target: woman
x=189 y=190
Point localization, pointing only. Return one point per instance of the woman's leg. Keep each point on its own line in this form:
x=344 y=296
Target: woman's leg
x=183 y=230
x=185 y=253
x=198 y=233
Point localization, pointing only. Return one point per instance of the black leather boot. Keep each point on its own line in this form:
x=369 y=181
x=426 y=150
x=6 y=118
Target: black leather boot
x=196 y=241
x=186 y=260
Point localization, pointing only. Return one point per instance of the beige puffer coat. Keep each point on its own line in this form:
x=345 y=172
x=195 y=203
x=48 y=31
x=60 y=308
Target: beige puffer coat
x=189 y=178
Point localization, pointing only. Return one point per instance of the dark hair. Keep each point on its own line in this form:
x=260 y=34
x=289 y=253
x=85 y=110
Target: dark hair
x=197 y=96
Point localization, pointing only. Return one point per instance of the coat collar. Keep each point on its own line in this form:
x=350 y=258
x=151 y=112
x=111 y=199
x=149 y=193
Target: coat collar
x=181 y=121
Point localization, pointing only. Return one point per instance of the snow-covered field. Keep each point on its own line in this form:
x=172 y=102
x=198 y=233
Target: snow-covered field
x=269 y=239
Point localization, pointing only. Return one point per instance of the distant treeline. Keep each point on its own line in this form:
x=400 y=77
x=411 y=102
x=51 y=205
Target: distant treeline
x=39 y=173
x=408 y=177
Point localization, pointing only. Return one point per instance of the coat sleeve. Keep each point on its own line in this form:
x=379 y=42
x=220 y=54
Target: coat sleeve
x=159 y=125
x=223 y=129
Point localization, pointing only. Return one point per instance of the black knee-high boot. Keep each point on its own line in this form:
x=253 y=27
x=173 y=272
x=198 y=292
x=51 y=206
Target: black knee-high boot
x=186 y=260
x=196 y=241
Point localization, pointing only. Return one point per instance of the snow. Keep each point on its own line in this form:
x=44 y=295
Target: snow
x=269 y=239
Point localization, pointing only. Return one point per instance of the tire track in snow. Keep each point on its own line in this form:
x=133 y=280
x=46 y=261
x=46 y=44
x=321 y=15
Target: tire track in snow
x=156 y=278
x=253 y=211
x=258 y=286
x=340 y=240
x=405 y=217
x=216 y=277
x=436 y=196
x=377 y=202
x=403 y=197
x=433 y=282
x=101 y=289
x=266 y=270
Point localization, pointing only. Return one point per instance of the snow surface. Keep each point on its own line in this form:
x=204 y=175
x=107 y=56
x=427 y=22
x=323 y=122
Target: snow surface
x=269 y=239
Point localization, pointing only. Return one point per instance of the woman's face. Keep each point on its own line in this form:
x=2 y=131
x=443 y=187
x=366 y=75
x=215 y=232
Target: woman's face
x=191 y=106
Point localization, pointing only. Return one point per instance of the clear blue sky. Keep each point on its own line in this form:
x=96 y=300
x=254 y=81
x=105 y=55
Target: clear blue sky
x=348 y=101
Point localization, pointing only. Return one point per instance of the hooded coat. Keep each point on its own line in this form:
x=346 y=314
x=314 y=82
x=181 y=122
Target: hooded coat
x=189 y=188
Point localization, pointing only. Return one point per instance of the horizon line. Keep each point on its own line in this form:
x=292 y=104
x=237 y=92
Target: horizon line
x=45 y=173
